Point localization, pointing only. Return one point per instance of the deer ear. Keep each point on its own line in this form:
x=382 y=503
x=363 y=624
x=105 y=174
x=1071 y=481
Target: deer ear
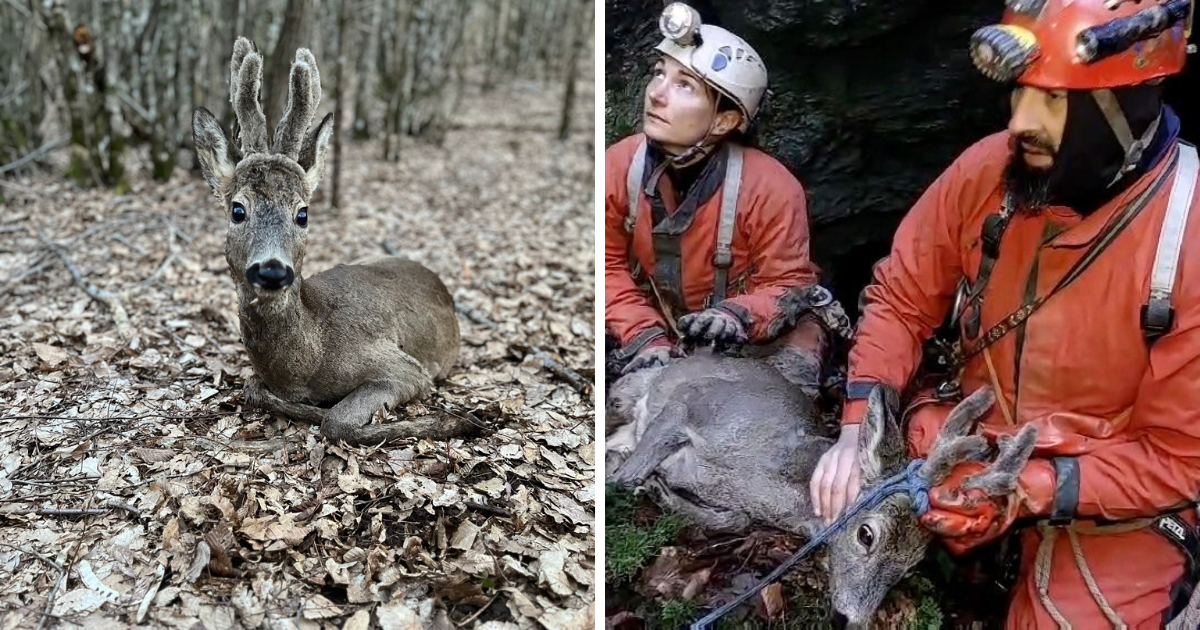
x=212 y=151
x=312 y=152
x=880 y=447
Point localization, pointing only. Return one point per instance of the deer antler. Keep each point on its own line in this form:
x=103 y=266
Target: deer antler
x=304 y=94
x=954 y=445
x=245 y=84
x=1000 y=478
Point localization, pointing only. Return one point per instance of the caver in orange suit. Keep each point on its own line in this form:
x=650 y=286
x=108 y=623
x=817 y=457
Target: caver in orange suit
x=1118 y=413
x=770 y=256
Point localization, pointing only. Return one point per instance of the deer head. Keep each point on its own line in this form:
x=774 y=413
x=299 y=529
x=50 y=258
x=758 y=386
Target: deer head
x=878 y=547
x=265 y=191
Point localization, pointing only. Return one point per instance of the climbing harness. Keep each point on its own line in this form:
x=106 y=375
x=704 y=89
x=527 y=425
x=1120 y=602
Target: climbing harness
x=723 y=255
x=908 y=481
x=1157 y=313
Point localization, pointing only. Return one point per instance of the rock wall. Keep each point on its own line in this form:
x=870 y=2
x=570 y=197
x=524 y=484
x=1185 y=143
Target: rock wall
x=870 y=100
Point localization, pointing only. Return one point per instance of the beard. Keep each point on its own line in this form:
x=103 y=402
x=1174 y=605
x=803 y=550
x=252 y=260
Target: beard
x=1028 y=187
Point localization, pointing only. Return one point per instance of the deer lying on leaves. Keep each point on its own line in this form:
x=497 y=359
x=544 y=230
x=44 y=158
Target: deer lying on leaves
x=727 y=442
x=335 y=348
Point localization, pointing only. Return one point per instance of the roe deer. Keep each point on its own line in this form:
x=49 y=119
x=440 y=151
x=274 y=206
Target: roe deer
x=728 y=442
x=337 y=347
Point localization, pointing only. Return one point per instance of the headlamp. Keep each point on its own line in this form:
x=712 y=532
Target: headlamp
x=1003 y=52
x=1116 y=36
x=679 y=23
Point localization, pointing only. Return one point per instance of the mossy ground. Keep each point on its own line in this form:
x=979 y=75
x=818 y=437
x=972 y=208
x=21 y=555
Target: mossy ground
x=936 y=596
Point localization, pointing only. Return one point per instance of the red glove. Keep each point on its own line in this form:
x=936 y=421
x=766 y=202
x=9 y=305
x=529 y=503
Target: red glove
x=965 y=519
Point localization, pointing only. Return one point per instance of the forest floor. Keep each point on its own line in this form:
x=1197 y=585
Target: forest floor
x=135 y=489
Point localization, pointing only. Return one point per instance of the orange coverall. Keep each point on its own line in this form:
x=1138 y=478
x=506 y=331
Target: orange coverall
x=770 y=251
x=1080 y=369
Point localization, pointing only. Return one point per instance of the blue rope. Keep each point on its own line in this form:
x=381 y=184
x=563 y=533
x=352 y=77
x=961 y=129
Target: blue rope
x=906 y=481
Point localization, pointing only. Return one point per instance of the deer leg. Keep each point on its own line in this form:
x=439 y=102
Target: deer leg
x=663 y=437
x=349 y=419
x=710 y=518
x=257 y=395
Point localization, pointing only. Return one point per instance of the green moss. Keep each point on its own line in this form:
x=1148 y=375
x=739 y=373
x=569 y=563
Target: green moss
x=78 y=169
x=629 y=546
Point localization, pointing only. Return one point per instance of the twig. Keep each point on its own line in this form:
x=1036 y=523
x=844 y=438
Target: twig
x=487 y=509
x=479 y=612
x=33 y=553
x=107 y=298
x=563 y=372
x=57 y=512
x=40 y=458
x=16 y=5
x=35 y=154
x=474 y=315
x=171 y=256
x=189 y=474
x=62 y=574
x=51 y=483
x=137 y=107
x=117 y=236
x=202 y=416
x=114 y=502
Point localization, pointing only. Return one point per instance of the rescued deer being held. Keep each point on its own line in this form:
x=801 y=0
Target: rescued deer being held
x=336 y=347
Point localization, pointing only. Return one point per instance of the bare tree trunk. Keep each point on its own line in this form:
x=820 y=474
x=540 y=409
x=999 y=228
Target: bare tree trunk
x=362 y=125
x=97 y=149
x=338 y=107
x=22 y=91
x=293 y=35
x=494 y=46
x=580 y=32
x=228 y=25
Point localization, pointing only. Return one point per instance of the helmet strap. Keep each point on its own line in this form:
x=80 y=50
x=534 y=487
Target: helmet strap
x=1120 y=126
x=697 y=151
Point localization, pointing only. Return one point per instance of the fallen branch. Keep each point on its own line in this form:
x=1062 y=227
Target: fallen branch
x=107 y=298
x=35 y=154
x=572 y=378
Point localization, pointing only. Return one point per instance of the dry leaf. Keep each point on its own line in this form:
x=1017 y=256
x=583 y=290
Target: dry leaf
x=397 y=616
x=360 y=620
x=318 y=607
x=49 y=354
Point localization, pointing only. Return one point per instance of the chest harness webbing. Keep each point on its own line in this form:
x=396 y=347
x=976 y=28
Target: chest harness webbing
x=667 y=250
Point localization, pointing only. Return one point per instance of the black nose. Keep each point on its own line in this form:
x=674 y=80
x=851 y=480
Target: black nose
x=270 y=275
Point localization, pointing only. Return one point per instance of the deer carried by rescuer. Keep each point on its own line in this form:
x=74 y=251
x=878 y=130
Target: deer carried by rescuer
x=729 y=443
x=334 y=348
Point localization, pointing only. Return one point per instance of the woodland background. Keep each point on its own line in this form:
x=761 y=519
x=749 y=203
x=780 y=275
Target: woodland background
x=135 y=489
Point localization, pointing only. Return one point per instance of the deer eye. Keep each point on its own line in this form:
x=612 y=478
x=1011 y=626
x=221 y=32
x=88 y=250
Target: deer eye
x=302 y=217
x=865 y=536
x=239 y=212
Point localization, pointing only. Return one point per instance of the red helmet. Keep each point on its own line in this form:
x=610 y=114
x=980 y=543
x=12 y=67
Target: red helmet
x=1085 y=44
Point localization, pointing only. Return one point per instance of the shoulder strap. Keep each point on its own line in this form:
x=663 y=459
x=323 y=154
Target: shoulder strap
x=633 y=184
x=723 y=256
x=1157 y=313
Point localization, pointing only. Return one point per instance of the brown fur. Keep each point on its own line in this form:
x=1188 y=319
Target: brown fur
x=336 y=347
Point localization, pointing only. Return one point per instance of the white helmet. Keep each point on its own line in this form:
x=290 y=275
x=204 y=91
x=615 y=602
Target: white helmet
x=724 y=60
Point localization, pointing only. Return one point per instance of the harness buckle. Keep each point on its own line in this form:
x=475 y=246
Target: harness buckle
x=1157 y=317
x=723 y=257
